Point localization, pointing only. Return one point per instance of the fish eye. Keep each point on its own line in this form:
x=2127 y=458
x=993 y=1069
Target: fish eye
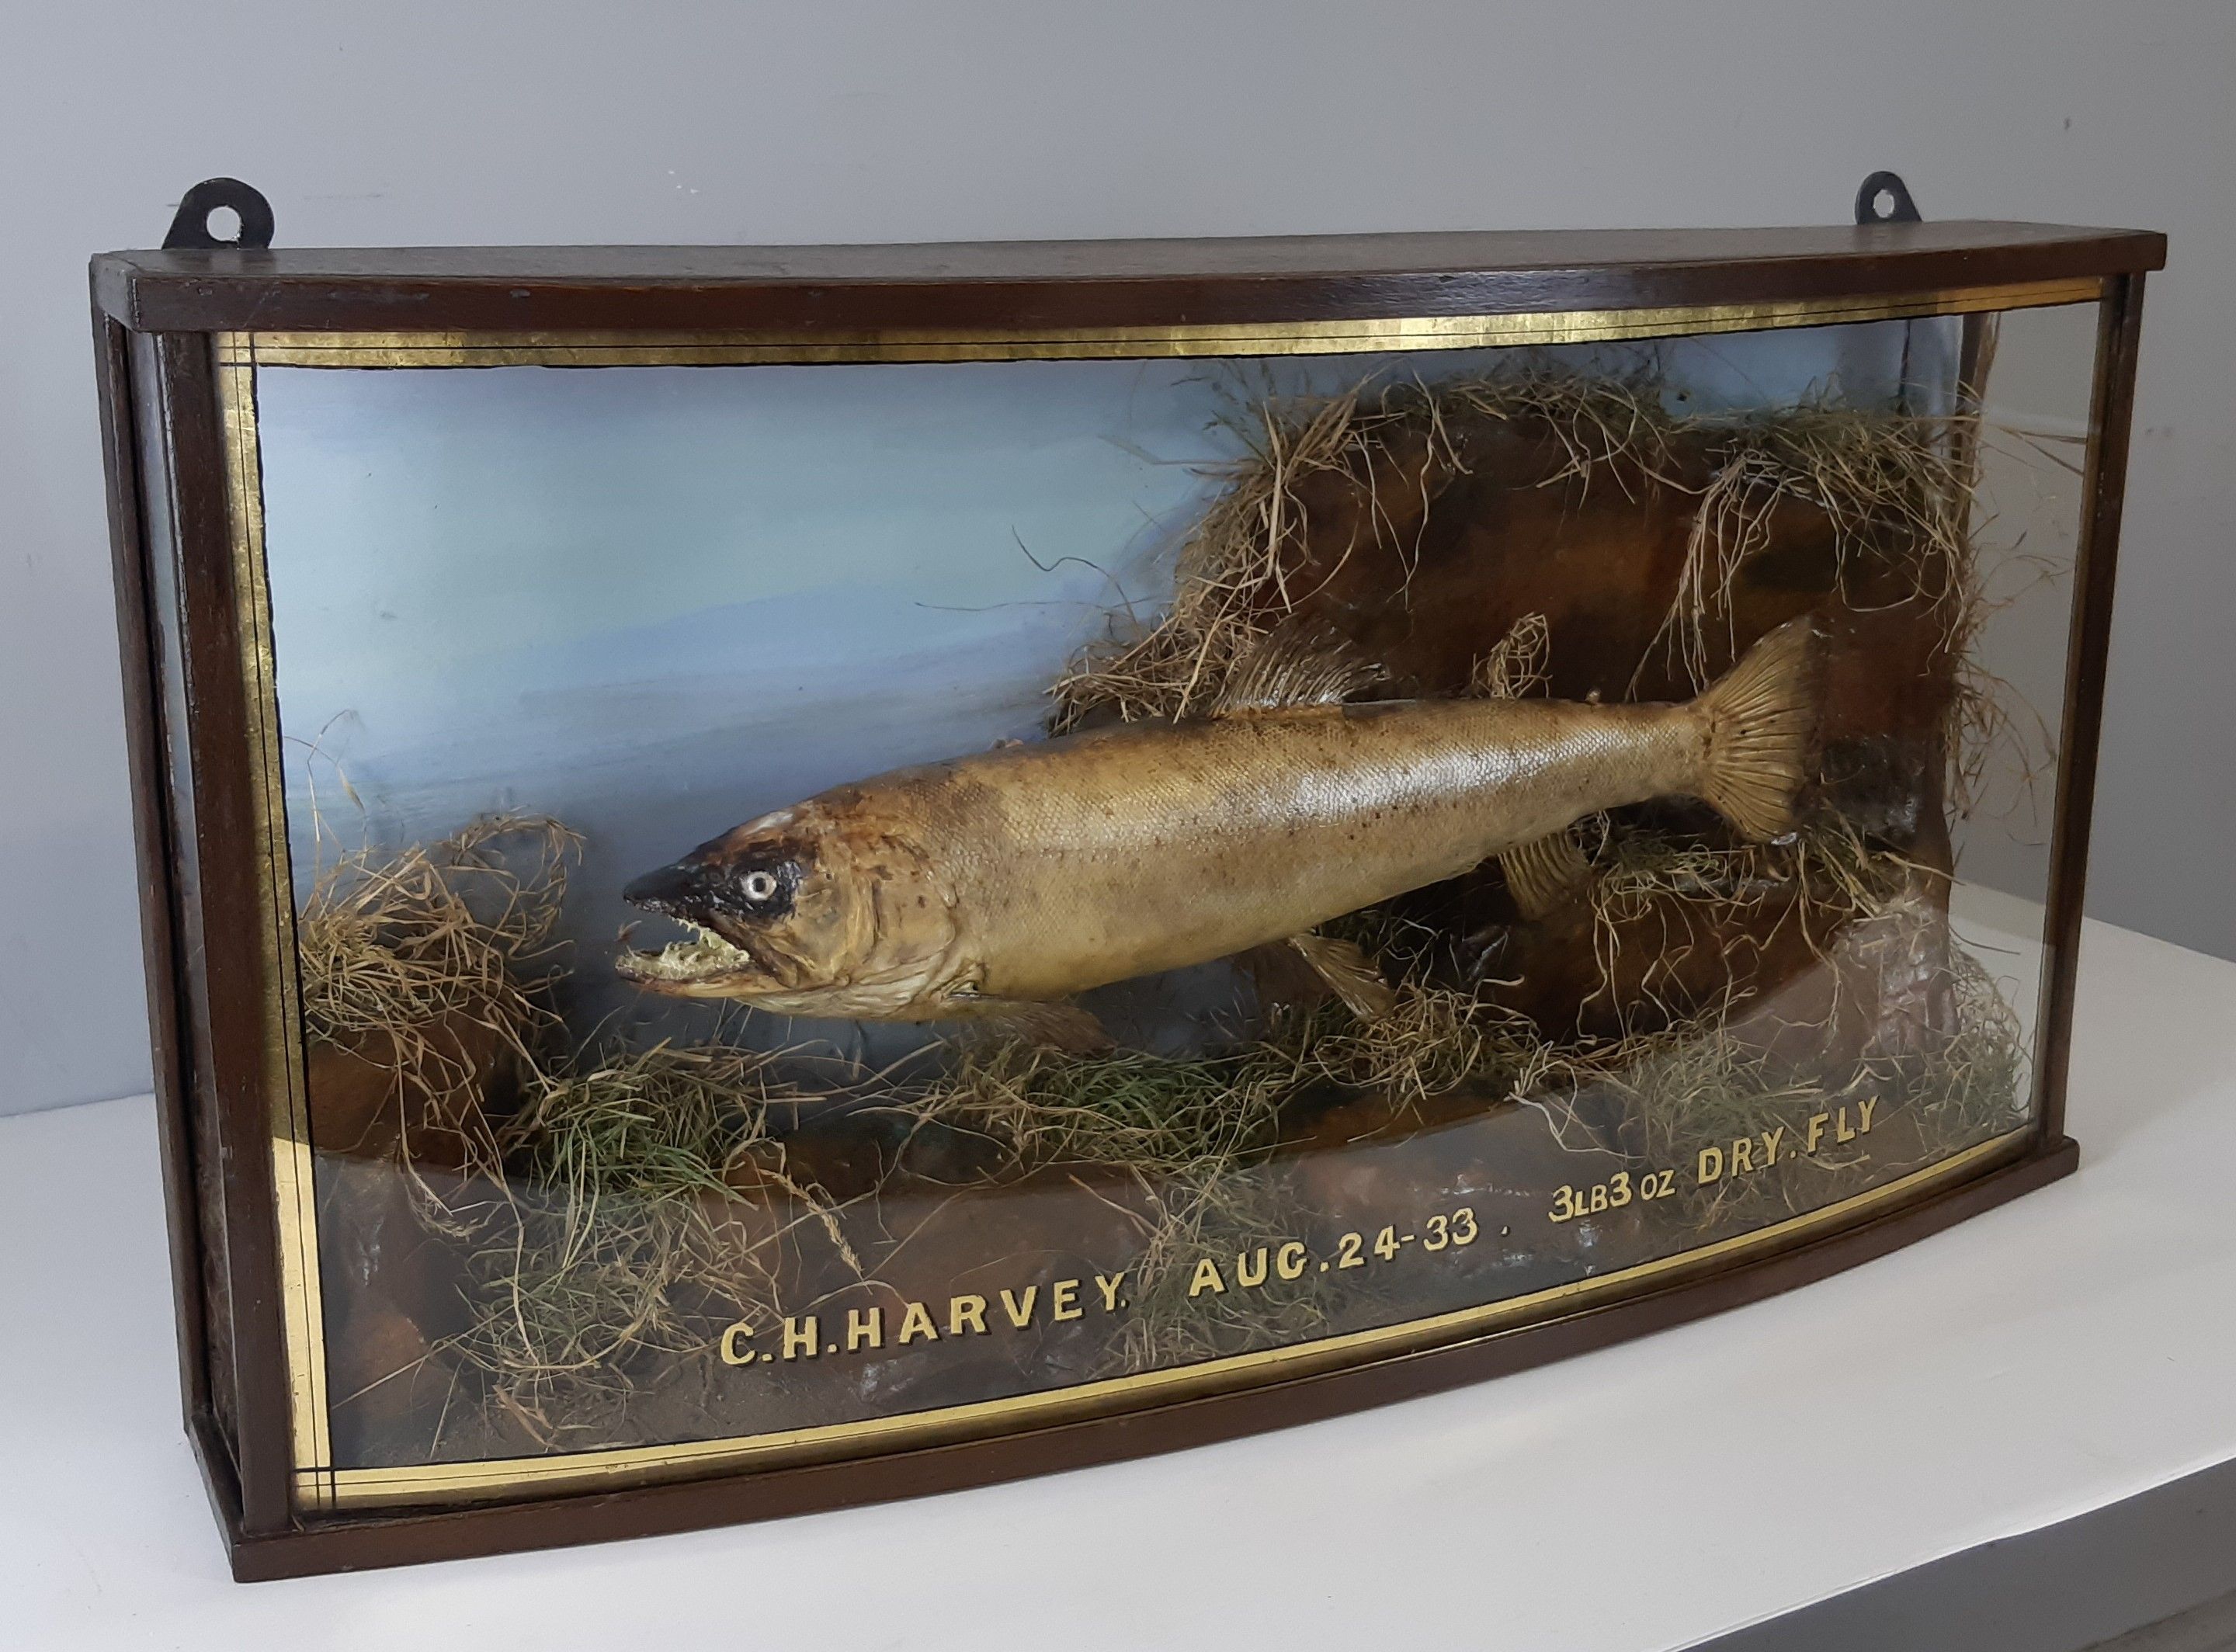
x=758 y=886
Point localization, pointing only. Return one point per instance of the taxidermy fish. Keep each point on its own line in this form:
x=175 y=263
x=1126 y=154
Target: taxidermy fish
x=997 y=885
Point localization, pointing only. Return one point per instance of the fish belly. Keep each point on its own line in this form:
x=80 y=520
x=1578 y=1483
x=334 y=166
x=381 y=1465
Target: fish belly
x=1102 y=858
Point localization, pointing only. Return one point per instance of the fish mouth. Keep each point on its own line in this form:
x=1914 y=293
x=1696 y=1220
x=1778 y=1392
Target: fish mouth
x=710 y=963
x=704 y=966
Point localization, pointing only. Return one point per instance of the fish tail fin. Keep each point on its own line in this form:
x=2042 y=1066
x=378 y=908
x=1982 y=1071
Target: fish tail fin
x=1762 y=722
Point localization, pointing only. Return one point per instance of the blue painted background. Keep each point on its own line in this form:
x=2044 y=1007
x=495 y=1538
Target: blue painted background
x=655 y=601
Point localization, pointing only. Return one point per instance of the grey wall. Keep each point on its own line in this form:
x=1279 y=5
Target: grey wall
x=664 y=120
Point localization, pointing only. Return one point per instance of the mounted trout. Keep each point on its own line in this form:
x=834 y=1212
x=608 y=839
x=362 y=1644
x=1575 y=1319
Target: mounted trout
x=999 y=884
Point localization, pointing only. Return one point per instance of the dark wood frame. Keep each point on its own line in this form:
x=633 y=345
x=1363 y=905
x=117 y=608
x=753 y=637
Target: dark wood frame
x=188 y=723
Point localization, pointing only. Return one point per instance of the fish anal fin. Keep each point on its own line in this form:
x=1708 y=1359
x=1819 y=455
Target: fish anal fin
x=1295 y=666
x=1065 y=1027
x=1546 y=873
x=1349 y=974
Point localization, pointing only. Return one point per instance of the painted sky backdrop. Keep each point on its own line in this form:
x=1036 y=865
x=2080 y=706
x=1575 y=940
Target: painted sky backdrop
x=657 y=600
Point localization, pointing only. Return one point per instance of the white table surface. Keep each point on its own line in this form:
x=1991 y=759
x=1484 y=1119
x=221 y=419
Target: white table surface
x=2068 y=1350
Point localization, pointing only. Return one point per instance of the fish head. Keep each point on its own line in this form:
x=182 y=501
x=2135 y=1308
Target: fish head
x=798 y=911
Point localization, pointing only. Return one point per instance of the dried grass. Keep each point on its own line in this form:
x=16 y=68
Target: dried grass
x=615 y=1249
x=1192 y=1136
x=396 y=948
x=1249 y=563
x=1896 y=488
x=1707 y=1073
x=392 y=941
x=624 y=1230
x=1702 y=1086
x=617 y=1242
x=1198 y=1135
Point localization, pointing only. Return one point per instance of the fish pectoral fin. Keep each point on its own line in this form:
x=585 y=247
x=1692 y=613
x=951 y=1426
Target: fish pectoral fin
x=1295 y=666
x=1546 y=874
x=1060 y=1026
x=1349 y=974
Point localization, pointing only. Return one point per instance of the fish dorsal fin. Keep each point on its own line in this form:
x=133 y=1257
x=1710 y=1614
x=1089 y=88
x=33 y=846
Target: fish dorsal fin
x=1295 y=666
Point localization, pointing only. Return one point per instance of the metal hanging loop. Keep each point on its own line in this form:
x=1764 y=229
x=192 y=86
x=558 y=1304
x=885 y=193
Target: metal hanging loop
x=1890 y=184
x=190 y=229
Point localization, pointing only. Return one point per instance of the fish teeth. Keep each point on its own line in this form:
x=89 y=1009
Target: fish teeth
x=686 y=960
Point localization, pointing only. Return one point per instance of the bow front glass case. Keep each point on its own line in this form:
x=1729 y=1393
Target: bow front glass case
x=783 y=878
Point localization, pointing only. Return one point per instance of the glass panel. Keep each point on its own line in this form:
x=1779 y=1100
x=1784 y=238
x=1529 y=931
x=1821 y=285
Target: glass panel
x=2037 y=379
x=1407 y=836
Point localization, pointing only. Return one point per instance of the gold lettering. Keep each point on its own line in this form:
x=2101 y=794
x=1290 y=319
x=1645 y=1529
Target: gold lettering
x=1840 y=1130
x=800 y=1336
x=1020 y=1308
x=733 y=1352
x=1109 y=1284
x=1870 y=1106
x=1063 y=1299
x=1207 y=1279
x=966 y=1313
x=1817 y=1123
x=1289 y=1261
x=915 y=1327
x=864 y=1326
x=1711 y=1165
x=1743 y=1155
x=1769 y=1140
x=1244 y=1275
